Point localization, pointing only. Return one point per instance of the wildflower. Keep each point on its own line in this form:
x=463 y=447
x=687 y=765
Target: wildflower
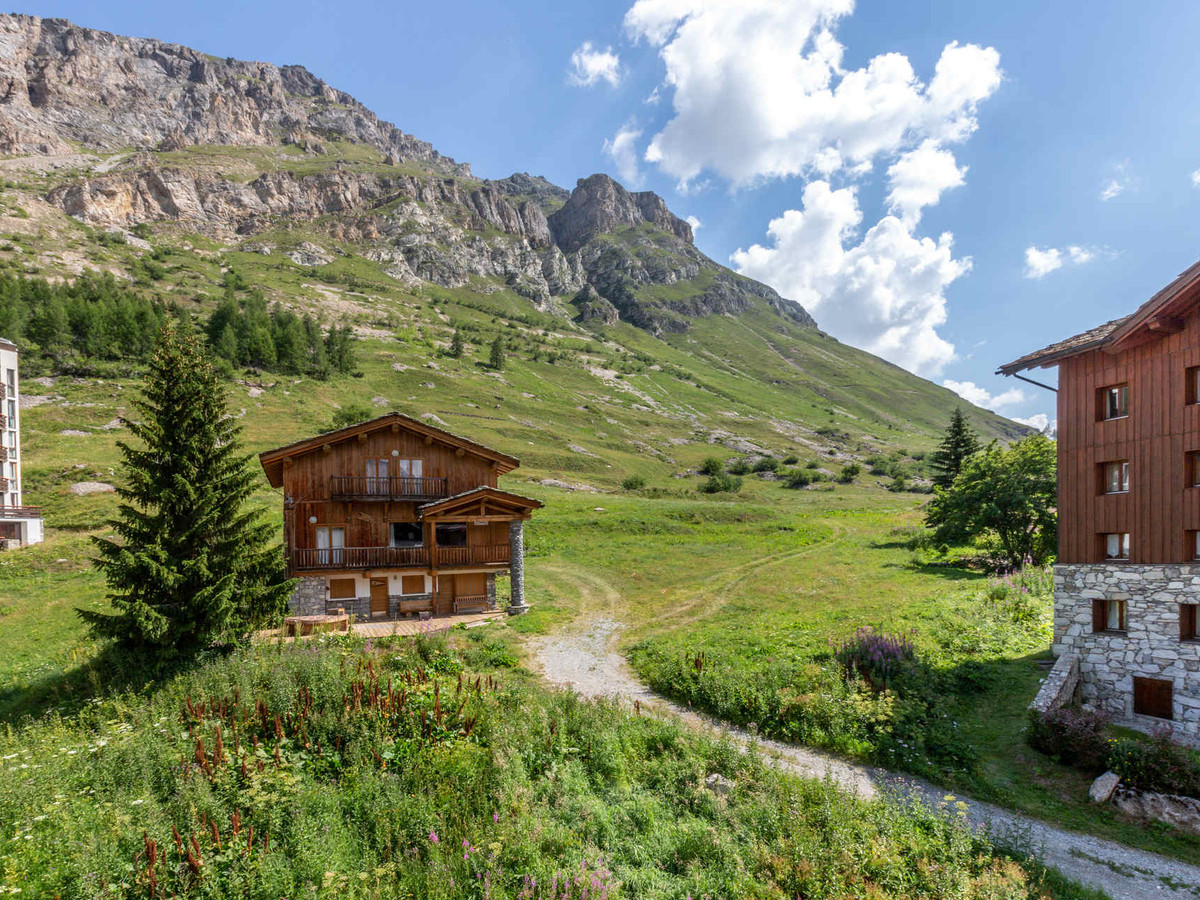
x=433 y=838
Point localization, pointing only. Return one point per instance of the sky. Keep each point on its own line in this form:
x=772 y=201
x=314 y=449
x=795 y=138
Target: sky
x=949 y=185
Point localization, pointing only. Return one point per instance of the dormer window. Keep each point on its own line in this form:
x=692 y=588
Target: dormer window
x=1114 y=477
x=1114 y=402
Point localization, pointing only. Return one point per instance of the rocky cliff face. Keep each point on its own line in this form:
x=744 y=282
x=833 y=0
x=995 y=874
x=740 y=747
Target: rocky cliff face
x=612 y=253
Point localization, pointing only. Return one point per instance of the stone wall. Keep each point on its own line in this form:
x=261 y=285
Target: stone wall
x=1060 y=685
x=308 y=598
x=1150 y=647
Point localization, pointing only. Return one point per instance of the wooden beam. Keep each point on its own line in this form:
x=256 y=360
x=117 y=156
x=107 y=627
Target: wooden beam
x=460 y=452
x=287 y=462
x=362 y=437
x=1165 y=324
x=428 y=439
x=326 y=449
x=395 y=428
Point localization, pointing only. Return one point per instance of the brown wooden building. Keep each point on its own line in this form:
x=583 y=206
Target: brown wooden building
x=394 y=517
x=1128 y=574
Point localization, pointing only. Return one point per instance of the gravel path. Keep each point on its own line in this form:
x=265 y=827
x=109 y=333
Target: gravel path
x=582 y=657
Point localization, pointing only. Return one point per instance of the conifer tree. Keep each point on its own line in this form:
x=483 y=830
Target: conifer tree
x=191 y=565
x=958 y=445
x=497 y=358
x=456 y=345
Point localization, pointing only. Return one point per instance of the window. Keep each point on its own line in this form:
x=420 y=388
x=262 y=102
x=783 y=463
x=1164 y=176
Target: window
x=412 y=584
x=331 y=540
x=1115 y=546
x=377 y=476
x=342 y=589
x=407 y=534
x=1187 y=621
x=1153 y=697
x=1193 y=545
x=1114 y=402
x=1115 y=477
x=410 y=468
x=1192 y=468
x=1109 y=615
x=1193 y=385
x=452 y=534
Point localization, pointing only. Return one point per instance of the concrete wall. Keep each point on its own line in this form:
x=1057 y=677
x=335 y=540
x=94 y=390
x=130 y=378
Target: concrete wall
x=1150 y=647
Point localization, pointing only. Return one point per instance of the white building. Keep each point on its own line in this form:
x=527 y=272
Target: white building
x=19 y=524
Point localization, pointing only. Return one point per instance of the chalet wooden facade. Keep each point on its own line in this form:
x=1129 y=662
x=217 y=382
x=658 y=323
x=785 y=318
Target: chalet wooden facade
x=395 y=517
x=1127 y=583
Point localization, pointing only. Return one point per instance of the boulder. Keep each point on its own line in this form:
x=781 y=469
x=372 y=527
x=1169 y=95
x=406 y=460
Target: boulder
x=718 y=784
x=83 y=488
x=1180 y=812
x=1102 y=788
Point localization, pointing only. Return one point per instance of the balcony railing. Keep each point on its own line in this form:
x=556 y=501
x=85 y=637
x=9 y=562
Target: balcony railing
x=20 y=512
x=4 y=454
x=396 y=487
x=305 y=559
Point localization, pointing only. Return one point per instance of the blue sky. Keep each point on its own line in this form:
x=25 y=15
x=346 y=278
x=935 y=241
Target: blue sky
x=1060 y=127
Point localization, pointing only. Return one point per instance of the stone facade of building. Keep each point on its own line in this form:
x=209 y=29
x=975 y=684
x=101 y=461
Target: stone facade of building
x=1149 y=647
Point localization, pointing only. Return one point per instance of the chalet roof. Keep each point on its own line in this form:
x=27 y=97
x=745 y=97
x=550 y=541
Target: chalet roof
x=6 y=344
x=1158 y=315
x=465 y=498
x=272 y=460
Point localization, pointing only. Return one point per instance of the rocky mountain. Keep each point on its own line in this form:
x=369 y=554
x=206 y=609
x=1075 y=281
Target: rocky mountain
x=162 y=119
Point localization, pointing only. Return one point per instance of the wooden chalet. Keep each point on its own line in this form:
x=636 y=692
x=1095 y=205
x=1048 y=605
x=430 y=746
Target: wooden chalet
x=394 y=517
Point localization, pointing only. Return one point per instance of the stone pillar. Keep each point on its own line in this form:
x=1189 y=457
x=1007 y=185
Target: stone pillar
x=516 y=566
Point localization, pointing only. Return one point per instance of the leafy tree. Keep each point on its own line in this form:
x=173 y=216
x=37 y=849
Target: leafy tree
x=958 y=445
x=191 y=566
x=1009 y=493
x=456 y=345
x=721 y=484
x=849 y=472
x=497 y=356
x=633 y=483
x=712 y=466
x=351 y=414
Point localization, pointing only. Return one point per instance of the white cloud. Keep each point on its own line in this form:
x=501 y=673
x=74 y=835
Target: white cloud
x=695 y=223
x=622 y=148
x=973 y=393
x=1119 y=183
x=758 y=91
x=885 y=293
x=1196 y=178
x=590 y=66
x=1040 y=263
x=919 y=177
x=1039 y=421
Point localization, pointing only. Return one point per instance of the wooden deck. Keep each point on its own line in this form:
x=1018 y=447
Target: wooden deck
x=401 y=627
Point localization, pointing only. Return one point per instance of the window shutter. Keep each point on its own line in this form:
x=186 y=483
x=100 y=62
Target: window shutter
x=1099 y=615
x=1153 y=697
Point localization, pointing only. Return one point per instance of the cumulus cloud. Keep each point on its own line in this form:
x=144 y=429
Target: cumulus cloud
x=622 y=149
x=1118 y=183
x=694 y=222
x=980 y=396
x=759 y=90
x=919 y=177
x=590 y=66
x=1040 y=263
x=884 y=293
x=1040 y=422
x=1196 y=178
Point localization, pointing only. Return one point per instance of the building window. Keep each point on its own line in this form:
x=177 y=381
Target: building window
x=1114 y=477
x=1115 y=546
x=1153 y=697
x=412 y=584
x=331 y=541
x=1187 y=621
x=410 y=468
x=1109 y=615
x=1193 y=384
x=1114 y=402
x=407 y=534
x=342 y=589
x=452 y=534
x=1191 y=468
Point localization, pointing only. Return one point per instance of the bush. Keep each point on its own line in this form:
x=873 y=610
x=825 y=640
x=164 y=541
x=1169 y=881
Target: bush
x=791 y=459
x=812 y=464
x=899 y=484
x=351 y=414
x=1075 y=737
x=849 y=472
x=738 y=467
x=712 y=466
x=722 y=484
x=1156 y=764
x=797 y=478
x=766 y=464
x=875 y=655
x=633 y=483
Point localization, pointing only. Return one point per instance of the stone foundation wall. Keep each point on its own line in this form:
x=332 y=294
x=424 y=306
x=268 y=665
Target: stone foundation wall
x=491 y=589
x=308 y=598
x=1150 y=647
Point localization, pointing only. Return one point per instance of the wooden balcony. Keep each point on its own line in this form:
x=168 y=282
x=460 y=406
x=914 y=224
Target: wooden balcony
x=396 y=487
x=20 y=512
x=309 y=560
x=4 y=454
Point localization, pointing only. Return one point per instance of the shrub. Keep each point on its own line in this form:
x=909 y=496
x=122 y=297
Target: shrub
x=797 y=478
x=738 y=467
x=142 y=230
x=875 y=655
x=351 y=414
x=1156 y=764
x=791 y=459
x=899 y=484
x=812 y=464
x=633 y=483
x=849 y=472
x=1075 y=737
x=766 y=464
x=712 y=466
x=722 y=484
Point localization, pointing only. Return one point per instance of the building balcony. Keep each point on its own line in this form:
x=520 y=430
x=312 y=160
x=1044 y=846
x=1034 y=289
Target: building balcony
x=6 y=454
x=396 y=487
x=20 y=512
x=4 y=483
x=305 y=559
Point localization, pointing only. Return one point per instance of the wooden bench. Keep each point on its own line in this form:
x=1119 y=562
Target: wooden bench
x=415 y=605
x=479 y=602
x=301 y=626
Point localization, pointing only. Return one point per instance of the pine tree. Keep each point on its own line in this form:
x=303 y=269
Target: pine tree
x=959 y=444
x=456 y=345
x=497 y=358
x=191 y=565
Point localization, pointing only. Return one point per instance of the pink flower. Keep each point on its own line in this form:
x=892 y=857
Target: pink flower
x=433 y=837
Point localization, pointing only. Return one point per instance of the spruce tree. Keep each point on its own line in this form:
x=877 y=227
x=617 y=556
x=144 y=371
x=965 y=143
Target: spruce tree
x=958 y=445
x=497 y=357
x=191 y=565
x=456 y=345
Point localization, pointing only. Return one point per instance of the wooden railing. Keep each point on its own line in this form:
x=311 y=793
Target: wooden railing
x=20 y=512
x=397 y=557
x=395 y=487
x=3 y=453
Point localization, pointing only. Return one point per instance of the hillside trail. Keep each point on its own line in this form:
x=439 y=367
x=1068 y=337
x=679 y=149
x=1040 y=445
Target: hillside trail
x=582 y=656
